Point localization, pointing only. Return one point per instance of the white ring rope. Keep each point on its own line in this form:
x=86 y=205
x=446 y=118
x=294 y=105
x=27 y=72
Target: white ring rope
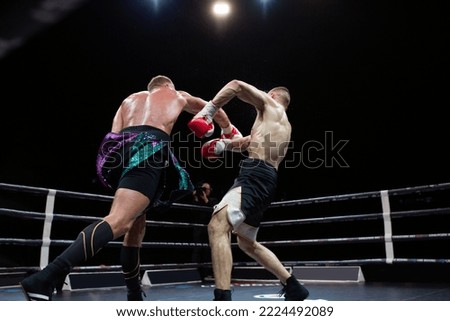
x=386 y=215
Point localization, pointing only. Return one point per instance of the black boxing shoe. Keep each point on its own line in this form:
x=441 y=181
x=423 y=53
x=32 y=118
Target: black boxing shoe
x=222 y=295
x=37 y=289
x=136 y=295
x=293 y=290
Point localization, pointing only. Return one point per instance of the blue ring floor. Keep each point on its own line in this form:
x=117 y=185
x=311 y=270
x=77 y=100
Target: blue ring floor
x=328 y=291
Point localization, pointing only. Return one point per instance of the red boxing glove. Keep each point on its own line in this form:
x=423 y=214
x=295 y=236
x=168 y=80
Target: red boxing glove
x=202 y=124
x=213 y=149
x=230 y=132
x=201 y=127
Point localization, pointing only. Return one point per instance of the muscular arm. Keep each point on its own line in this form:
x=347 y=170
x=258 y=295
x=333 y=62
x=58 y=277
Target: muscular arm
x=245 y=92
x=195 y=104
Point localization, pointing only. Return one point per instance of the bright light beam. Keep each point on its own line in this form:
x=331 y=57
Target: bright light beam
x=221 y=8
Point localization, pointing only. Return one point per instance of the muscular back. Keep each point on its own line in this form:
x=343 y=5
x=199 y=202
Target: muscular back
x=159 y=108
x=270 y=134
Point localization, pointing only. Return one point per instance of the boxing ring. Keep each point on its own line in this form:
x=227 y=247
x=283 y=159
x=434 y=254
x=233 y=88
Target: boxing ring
x=329 y=241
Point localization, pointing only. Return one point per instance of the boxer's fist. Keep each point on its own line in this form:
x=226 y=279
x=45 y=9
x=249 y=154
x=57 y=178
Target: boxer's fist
x=202 y=124
x=228 y=133
x=201 y=127
x=213 y=148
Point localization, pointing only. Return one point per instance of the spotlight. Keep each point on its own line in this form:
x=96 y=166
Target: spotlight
x=221 y=8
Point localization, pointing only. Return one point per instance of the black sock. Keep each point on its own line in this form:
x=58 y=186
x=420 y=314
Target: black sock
x=131 y=267
x=88 y=243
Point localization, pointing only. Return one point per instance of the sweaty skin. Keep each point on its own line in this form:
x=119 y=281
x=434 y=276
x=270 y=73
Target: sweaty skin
x=268 y=140
x=271 y=132
x=159 y=107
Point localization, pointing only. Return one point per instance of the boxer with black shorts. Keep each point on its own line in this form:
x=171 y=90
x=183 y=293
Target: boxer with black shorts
x=130 y=161
x=241 y=209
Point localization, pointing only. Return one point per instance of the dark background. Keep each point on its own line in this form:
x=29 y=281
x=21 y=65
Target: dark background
x=372 y=73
